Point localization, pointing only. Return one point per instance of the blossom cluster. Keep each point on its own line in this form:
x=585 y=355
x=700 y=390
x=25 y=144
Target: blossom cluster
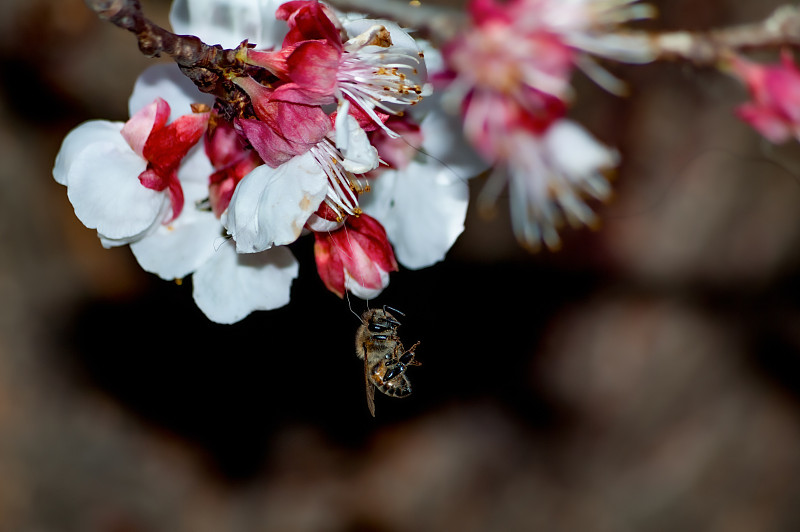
x=337 y=137
x=334 y=142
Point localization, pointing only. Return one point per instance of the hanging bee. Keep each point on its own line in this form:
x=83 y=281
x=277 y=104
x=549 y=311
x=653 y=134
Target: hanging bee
x=385 y=358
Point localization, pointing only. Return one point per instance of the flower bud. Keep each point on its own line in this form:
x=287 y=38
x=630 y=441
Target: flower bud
x=357 y=257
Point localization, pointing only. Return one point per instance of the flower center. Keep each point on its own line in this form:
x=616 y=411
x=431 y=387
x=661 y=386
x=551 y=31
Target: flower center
x=375 y=77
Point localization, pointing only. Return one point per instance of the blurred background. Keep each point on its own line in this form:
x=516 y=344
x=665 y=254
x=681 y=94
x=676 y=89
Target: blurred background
x=643 y=378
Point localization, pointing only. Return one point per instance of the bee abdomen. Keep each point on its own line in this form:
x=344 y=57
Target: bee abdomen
x=398 y=387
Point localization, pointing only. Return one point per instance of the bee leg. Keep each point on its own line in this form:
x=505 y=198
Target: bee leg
x=394 y=371
x=407 y=357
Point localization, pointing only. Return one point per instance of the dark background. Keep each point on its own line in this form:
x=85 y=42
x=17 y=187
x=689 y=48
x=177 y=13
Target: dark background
x=643 y=378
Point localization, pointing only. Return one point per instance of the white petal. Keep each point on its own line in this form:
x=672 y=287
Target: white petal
x=443 y=140
x=166 y=81
x=105 y=191
x=321 y=225
x=229 y=22
x=196 y=168
x=575 y=152
x=422 y=209
x=271 y=205
x=434 y=61
x=174 y=251
x=80 y=139
x=359 y=155
x=230 y=285
x=400 y=38
x=402 y=43
x=353 y=286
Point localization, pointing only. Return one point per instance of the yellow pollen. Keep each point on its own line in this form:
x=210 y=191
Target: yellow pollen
x=200 y=108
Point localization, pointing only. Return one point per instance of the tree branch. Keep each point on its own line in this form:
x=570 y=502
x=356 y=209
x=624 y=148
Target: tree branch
x=706 y=48
x=209 y=67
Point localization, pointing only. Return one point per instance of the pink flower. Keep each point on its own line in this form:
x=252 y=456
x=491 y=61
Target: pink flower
x=775 y=108
x=512 y=68
x=509 y=76
x=357 y=257
x=583 y=25
x=372 y=63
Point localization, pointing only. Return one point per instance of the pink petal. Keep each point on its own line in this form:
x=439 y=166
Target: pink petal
x=145 y=121
x=314 y=65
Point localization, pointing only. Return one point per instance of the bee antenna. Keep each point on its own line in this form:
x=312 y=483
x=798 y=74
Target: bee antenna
x=350 y=306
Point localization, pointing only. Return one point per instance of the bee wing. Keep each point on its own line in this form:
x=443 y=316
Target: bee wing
x=370 y=388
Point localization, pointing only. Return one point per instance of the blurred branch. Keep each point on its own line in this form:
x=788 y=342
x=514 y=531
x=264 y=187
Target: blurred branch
x=781 y=28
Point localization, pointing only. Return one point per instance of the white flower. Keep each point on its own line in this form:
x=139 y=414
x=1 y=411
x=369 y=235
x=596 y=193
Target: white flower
x=548 y=176
x=117 y=206
x=106 y=165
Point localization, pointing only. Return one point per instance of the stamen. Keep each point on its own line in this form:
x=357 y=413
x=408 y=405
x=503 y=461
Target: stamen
x=379 y=81
x=343 y=187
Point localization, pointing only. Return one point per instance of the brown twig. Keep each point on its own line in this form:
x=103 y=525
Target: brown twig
x=209 y=67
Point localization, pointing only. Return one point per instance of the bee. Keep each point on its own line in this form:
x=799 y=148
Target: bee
x=385 y=358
